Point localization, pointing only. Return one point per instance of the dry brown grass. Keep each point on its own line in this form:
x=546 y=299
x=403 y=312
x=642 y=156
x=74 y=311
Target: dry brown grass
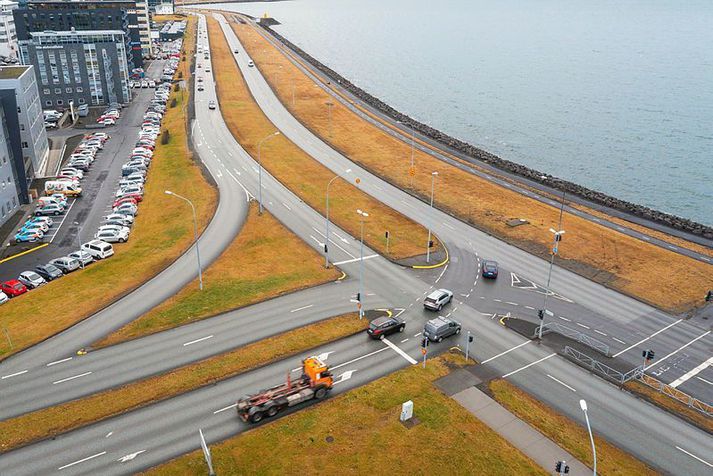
x=161 y=233
x=670 y=404
x=301 y=173
x=265 y=260
x=68 y=416
x=368 y=437
x=566 y=433
x=611 y=258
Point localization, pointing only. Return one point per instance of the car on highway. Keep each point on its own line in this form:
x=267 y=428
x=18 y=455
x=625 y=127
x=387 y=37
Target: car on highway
x=84 y=257
x=112 y=236
x=31 y=279
x=383 y=326
x=211 y=105
x=65 y=264
x=200 y=88
x=13 y=288
x=236 y=51
x=490 y=269
x=437 y=299
x=29 y=236
x=441 y=327
x=49 y=271
x=3 y=298
x=51 y=209
x=251 y=64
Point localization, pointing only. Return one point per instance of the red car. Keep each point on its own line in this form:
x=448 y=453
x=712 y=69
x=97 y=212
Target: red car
x=130 y=197
x=127 y=199
x=13 y=288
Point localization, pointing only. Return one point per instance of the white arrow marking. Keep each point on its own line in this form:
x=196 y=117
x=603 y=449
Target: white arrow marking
x=343 y=239
x=345 y=376
x=109 y=434
x=325 y=355
x=131 y=456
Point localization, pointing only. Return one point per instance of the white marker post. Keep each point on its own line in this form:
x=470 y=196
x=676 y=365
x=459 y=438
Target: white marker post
x=206 y=453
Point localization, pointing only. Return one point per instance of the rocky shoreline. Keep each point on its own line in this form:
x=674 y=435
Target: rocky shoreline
x=594 y=196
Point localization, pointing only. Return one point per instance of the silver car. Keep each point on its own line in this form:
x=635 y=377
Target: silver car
x=82 y=256
x=65 y=264
x=31 y=279
x=112 y=236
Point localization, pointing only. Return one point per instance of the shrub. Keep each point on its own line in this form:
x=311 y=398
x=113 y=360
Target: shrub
x=173 y=102
x=165 y=136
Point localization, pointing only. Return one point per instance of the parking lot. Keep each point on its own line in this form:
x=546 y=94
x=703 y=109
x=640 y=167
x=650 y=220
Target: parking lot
x=79 y=221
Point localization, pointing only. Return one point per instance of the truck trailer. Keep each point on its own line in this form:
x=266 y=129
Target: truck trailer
x=315 y=382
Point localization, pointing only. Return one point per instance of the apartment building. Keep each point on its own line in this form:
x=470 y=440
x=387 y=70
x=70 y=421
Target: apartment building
x=9 y=198
x=8 y=35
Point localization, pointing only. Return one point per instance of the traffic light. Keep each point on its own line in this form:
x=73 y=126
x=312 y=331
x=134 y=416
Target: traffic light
x=558 y=237
x=430 y=244
x=541 y=314
x=358 y=297
x=561 y=467
x=558 y=466
x=386 y=235
x=325 y=247
x=648 y=354
x=424 y=342
x=471 y=338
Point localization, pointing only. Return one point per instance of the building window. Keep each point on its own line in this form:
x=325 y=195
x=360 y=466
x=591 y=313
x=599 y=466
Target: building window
x=58 y=90
x=14 y=203
x=22 y=127
x=60 y=102
x=24 y=145
x=19 y=110
x=80 y=89
x=48 y=103
x=81 y=100
x=68 y=90
x=46 y=91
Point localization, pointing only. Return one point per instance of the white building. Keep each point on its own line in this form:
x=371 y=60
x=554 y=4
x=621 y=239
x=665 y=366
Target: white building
x=8 y=35
x=144 y=18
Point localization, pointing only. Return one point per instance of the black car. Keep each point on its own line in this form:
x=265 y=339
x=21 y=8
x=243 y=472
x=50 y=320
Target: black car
x=49 y=271
x=383 y=326
x=490 y=269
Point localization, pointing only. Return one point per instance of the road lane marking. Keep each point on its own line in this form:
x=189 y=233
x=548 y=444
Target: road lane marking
x=679 y=349
x=691 y=373
x=695 y=457
x=198 y=340
x=406 y=339
x=70 y=378
x=565 y=319
x=13 y=375
x=511 y=303
x=644 y=340
x=359 y=358
x=582 y=325
x=355 y=259
x=619 y=340
x=58 y=361
x=286 y=206
x=505 y=352
x=529 y=365
x=442 y=273
x=704 y=380
x=82 y=460
x=130 y=456
x=302 y=308
x=599 y=332
x=109 y=434
x=226 y=408
x=561 y=382
x=398 y=350
x=416 y=335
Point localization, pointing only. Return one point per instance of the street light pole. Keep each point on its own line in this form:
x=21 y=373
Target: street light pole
x=195 y=235
x=259 y=173
x=361 y=265
x=557 y=237
x=428 y=243
x=583 y=406
x=79 y=238
x=326 y=236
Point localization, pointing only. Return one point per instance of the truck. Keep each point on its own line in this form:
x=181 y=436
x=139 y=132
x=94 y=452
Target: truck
x=67 y=188
x=315 y=382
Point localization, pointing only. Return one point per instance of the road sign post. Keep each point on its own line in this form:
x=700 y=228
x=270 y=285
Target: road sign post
x=424 y=350
x=387 y=241
x=468 y=340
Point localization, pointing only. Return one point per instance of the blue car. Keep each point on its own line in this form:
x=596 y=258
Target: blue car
x=28 y=236
x=38 y=227
x=490 y=269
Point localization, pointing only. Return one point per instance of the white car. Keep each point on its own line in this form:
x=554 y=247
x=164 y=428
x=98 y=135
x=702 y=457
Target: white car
x=127 y=209
x=112 y=236
x=31 y=279
x=129 y=189
x=127 y=219
x=84 y=257
x=3 y=298
x=72 y=172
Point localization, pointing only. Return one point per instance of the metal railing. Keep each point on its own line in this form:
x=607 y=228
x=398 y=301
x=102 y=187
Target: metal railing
x=611 y=373
x=580 y=337
x=676 y=394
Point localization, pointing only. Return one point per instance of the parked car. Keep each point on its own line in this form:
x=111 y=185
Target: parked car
x=122 y=200
x=126 y=219
x=117 y=228
x=72 y=172
x=441 y=327
x=211 y=105
x=37 y=227
x=46 y=220
x=84 y=257
x=3 y=298
x=490 y=269
x=13 y=288
x=98 y=249
x=31 y=279
x=437 y=299
x=49 y=271
x=383 y=326
x=50 y=125
x=65 y=264
x=29 y=236
x=112 y=236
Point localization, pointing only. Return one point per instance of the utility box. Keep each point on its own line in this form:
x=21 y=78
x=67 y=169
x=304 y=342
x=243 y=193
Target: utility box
x=406 y=411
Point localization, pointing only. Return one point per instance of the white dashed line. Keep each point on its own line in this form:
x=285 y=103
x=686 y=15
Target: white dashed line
x=13 y=375
x=58 y=361
x=619 y=340
x=529 y=365
x=565 y=319
x=561 y=382
x=599 y=332
x=302 y=308
x=198 y=340
x=71 y=378
x=582 y=325
x=81 y=460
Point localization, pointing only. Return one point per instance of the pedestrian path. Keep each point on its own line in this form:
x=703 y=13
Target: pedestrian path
x=531 y=442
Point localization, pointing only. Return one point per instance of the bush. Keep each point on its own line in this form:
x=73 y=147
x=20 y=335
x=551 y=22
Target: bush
x=180 y=75
x=173 y=102
x=176 y=87
x=165 y=136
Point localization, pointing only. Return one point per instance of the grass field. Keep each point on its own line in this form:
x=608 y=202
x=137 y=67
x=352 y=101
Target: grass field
x=299 y=172
x=67 y=416
x=569 y=435
x=606 y=256
x=163 y=230
x=249 y=270
x=367 y=437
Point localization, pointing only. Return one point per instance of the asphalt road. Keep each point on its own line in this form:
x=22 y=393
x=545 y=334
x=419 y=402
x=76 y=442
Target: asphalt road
x=146 y=437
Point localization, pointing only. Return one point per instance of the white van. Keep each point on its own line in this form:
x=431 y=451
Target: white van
x=98 y=249
x=68 y=189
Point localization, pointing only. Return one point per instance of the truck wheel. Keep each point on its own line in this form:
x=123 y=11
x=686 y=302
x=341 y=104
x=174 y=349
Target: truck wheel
x=256 y=417
x=320 y=393
x=272 y=411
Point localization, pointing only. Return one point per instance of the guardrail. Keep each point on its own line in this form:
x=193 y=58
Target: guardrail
x=676 y=394
x=580 y=337
x=609 y=372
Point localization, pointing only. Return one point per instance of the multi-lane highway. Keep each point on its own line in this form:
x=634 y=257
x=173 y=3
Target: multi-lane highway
x=142 y=438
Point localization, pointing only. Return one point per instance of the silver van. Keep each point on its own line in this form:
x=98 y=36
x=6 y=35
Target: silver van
x=441 y=327
x=98 y=249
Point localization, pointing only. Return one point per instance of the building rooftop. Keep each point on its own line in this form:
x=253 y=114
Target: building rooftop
x=12 y=72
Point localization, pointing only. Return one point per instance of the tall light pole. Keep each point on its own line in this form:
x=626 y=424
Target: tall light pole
x=259 y=165
x=428 y=244
x=361 y=265
x=79 y=238
x=583 y=406
x=195 y=236
x=557 y=238
x=326 y=236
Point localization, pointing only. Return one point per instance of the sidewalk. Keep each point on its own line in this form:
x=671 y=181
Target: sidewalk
x=460 y=385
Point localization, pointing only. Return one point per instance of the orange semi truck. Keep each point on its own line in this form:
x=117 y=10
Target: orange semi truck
x=314 y=383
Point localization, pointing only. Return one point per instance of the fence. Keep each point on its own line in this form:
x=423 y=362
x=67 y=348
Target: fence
x=580 y=337
x=676 y=394
x=611 y=373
